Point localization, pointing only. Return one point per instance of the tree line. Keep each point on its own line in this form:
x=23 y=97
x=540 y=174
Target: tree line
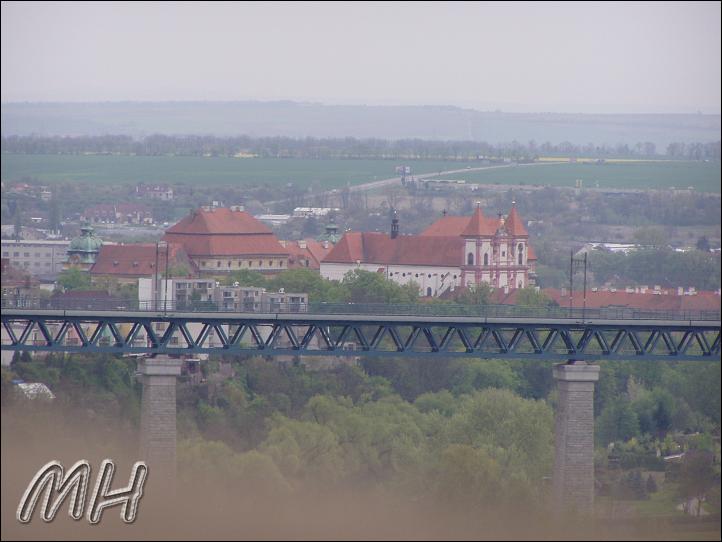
x=344 y=148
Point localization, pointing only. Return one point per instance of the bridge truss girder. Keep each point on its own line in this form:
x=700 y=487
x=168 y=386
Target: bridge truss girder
x=339 y=336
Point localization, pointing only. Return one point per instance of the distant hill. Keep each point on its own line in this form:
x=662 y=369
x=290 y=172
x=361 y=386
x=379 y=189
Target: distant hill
x=294 y=119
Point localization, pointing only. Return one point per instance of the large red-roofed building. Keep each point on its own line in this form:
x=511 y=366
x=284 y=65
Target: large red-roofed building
x=454 y=251
x=222 y=240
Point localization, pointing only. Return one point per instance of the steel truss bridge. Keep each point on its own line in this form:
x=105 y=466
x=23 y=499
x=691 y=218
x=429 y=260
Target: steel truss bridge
x=307 y=334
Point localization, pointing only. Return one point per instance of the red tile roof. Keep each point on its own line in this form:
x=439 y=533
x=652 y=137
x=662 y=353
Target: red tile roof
x=476 y=225
x=479 y=225
x=219 y=221
x=314 y=252
x=447 y=226
x=705 y=301
x=379 y=248
x=514 y=224
x=138 y=260
x=228 y=245
x=223 y=232
x=668 y=300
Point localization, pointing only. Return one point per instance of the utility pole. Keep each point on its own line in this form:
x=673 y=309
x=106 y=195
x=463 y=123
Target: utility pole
x=574 y=265
x=571 y=280
x=155 y=279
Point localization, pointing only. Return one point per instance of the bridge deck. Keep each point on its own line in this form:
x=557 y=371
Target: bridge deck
x=310 y=334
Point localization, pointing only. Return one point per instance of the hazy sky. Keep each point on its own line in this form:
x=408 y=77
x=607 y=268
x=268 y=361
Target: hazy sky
x=586 y=57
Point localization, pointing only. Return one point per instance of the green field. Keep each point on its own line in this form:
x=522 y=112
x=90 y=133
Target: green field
x=703 y=176
x=196 y=170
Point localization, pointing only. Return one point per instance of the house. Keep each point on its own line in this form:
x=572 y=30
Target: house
x=161 y=191
x=121 y=213
x=17 y=285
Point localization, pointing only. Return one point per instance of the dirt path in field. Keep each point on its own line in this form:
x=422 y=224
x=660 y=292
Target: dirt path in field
x=393 y=180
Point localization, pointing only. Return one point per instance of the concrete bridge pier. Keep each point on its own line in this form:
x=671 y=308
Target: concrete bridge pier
x=158 y=419
x=573 y=482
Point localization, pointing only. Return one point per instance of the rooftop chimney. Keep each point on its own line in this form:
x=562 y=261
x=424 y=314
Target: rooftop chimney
x=394 y=226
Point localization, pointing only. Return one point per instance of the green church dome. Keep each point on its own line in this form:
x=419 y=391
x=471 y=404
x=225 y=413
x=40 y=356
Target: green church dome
x=86 y=247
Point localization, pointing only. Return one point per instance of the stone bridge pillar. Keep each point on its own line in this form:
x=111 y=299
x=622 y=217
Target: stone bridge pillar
x=574 y=435
x=158 y=416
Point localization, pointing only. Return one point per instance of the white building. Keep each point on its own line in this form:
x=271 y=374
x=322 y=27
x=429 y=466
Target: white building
x=455 y=251
x=36 y=257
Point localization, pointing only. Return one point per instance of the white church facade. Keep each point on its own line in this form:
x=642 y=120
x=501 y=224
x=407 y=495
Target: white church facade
x=454 y=252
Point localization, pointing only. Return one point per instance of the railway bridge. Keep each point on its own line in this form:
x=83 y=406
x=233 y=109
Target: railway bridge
x=575 y=338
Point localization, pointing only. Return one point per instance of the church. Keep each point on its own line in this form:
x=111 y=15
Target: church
x=453 y=252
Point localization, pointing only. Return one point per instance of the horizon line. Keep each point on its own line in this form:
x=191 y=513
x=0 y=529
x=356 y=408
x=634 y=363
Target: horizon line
x=497 y=110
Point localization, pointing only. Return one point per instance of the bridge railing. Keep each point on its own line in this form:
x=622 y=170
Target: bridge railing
x=380 y=309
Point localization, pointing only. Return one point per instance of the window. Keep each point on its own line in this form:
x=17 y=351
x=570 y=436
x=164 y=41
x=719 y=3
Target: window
x=270 y=264
x=16 y=254
x=26 y=254
x=6 y=254
x=218 y=263
x=521 y=253
x=503 y=254
x=428 y=292
x=470 y=259
x=486 y=259
x=250 y=263
x=229 y=263
x=203 y=264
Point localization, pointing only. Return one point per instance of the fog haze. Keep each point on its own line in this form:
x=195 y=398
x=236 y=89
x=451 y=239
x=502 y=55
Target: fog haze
x=523 y=57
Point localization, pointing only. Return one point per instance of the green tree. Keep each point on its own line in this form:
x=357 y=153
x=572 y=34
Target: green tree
x=367 y=287
x=651 y=485
x=18 y=223
x=703 y=244
x=697 y=476
x=179 y=270
x=478 y=294
x=311 y=282
x=54 y=212
x=650 y=237
x=468 y=476
x=74 y=279
x=618 y=421
x=246 y=277
x=531 y=297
